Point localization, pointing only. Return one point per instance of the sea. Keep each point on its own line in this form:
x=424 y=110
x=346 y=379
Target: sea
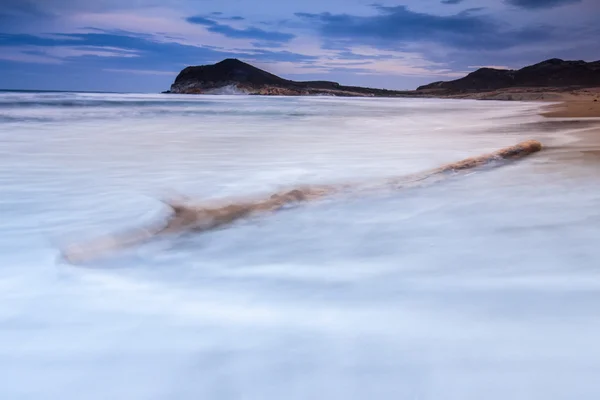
x=482 y=286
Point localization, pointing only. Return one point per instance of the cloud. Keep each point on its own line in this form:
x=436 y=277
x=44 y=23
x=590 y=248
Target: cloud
x=141 y=71
x=471 y=10
x=59 y=54
x=139 y=41
x=21 y=7
x=489 y=66
x=221 y=16
x=128 y=51
x=125 y=53
x=28 y=57
x=55 y=7
x=245 y=33
x=393 y=27
x=538 y=4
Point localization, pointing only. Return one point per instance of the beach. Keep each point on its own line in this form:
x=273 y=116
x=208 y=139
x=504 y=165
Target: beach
x=484 y=285
x=584 y=103
x=583 y=107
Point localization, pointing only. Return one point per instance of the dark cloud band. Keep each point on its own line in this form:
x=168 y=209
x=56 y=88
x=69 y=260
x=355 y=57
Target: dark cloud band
x=245 y=33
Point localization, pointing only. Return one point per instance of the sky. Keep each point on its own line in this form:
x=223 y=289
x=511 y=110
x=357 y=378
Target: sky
x=141 y=45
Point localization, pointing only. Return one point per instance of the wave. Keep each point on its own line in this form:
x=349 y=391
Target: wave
x=13 y=118
x=34 y=107
x=4 y=104
x=187 y=216
x=228 y=90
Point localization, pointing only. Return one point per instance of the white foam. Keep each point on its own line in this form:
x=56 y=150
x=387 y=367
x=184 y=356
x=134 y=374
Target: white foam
x=482 y=287
x=229 y=90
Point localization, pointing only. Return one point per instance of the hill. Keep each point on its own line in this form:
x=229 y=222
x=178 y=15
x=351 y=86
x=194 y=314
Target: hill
x=240 y=76
x=553 y=73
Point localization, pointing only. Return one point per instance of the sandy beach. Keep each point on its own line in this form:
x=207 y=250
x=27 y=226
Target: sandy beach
x=583 y=105
x=576 y=109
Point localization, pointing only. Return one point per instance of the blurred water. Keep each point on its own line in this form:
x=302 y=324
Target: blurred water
x=481 y=287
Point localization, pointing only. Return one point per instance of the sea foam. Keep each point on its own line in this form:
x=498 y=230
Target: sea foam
x=482 y=287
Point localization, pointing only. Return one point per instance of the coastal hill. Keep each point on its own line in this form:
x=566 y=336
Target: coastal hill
x=553 y=73
x=243 y=77
x=549 y=80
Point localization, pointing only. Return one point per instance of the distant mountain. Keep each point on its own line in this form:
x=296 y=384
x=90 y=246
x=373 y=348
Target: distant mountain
x=233 y=74
x=553 y=73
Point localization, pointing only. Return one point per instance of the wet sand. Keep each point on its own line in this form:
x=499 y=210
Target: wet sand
x=575 y=108
x=579 y=107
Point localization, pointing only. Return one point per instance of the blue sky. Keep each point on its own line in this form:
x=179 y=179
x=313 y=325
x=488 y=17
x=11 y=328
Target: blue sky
x=141 y=45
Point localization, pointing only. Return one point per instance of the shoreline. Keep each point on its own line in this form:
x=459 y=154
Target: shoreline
x=573 y=109
x=584 y=103
x=580 y=107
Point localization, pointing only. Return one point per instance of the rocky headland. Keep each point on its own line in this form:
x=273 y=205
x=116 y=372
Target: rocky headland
x=575 y=82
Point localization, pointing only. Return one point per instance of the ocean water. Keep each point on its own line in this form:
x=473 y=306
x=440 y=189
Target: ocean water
x=483 y=286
